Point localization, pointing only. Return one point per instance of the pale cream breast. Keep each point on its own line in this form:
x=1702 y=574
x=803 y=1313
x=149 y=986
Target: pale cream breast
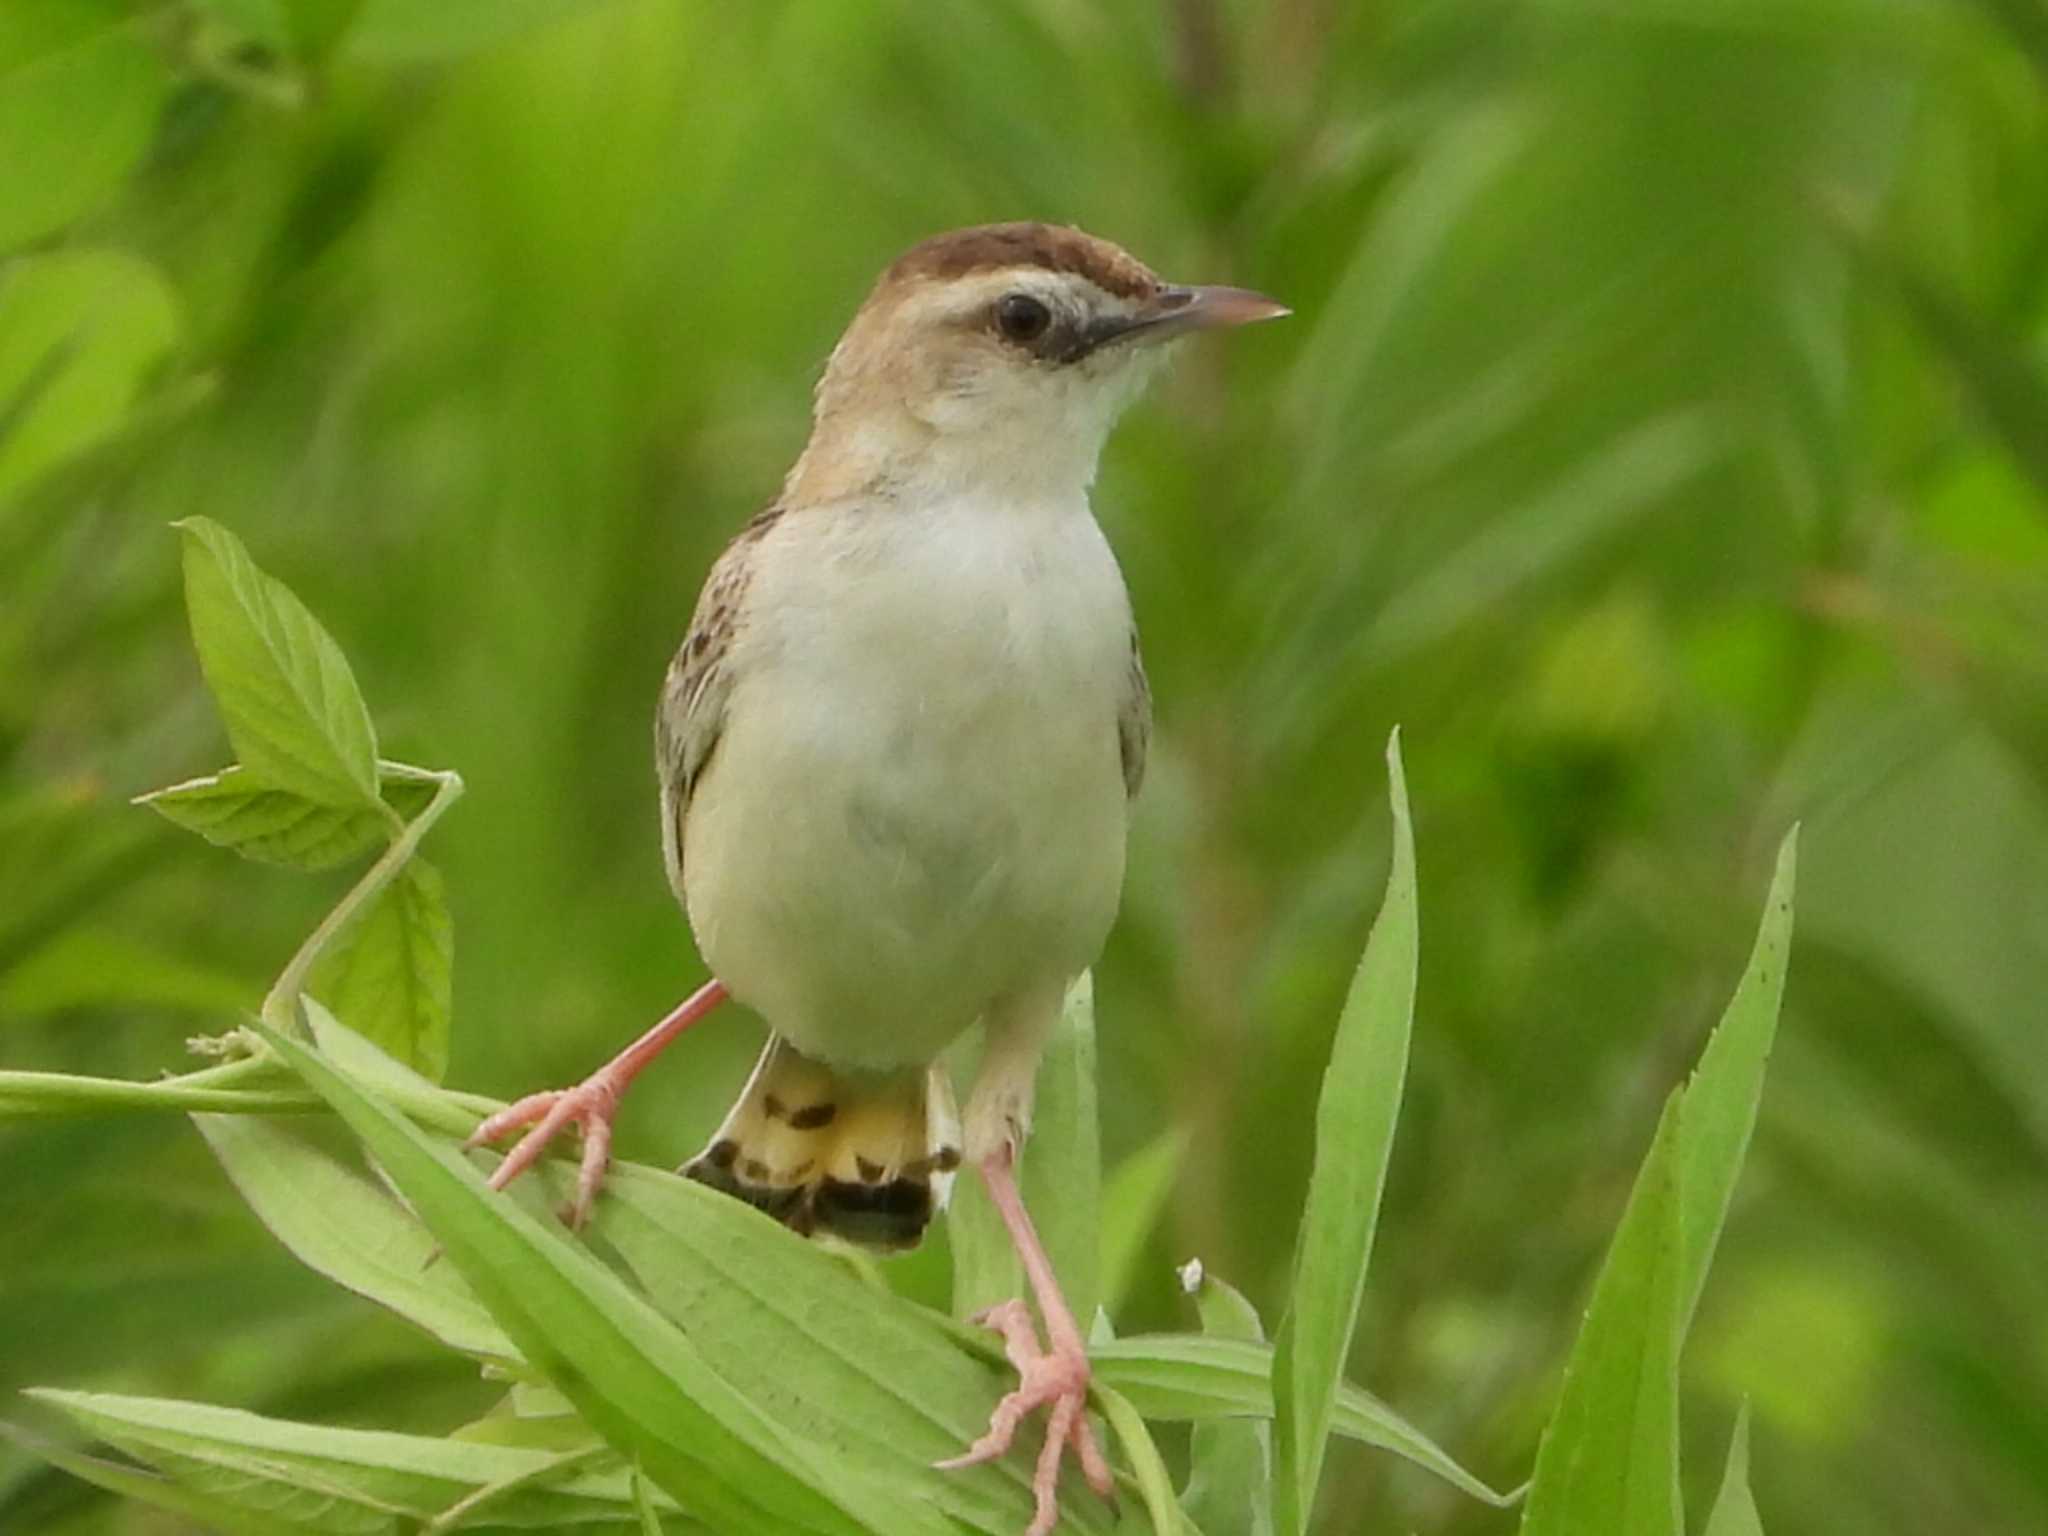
x=917 y=803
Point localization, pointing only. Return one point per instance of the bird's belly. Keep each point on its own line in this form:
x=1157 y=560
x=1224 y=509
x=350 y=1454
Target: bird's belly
x=876 y=853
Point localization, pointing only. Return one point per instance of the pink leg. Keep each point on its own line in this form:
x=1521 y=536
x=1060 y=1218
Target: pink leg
x=590 y=1105
x=1055 y=1378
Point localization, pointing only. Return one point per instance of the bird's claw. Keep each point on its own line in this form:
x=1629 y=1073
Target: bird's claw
x=1055 y=1379
x=589 y=1106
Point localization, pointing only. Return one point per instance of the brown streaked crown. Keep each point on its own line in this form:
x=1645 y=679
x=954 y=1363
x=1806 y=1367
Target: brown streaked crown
x=1056 y=248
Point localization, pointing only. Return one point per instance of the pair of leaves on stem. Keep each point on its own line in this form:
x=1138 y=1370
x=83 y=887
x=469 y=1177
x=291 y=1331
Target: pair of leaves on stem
x=309 y=792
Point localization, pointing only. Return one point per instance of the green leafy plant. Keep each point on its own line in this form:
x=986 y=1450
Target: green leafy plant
x=697 y=1367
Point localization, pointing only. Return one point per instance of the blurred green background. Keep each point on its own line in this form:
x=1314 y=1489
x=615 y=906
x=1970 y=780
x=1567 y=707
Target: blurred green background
x=1661 y=440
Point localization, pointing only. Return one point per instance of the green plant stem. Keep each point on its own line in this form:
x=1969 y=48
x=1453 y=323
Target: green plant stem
x=568 y=1462
x=280 y=1006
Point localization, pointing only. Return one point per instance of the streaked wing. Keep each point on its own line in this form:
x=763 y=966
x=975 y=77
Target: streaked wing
x=1134 y=721
x=693 y=696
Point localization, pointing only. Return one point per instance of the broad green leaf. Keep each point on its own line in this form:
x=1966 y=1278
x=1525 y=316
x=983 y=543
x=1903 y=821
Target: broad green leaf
x=235 y=810
x=425 y=1103
x=1735 y=1511
x=80 y=333
x=81 y=84
x=284 y=689
x=349 y=1231
x=210 y=1513
x=854 y=1366
x=1608 y=1465
x=1355 y=1116
x=637 y=1379
x=388 y=976
x=1062 y=1164
x=345 y=1482
x=1721 y=1100
x=1134 y=1197
x=1230 y=1461
x=1187 y=1376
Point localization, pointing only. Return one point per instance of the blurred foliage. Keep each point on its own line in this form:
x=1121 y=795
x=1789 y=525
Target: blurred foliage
x=1659 y=440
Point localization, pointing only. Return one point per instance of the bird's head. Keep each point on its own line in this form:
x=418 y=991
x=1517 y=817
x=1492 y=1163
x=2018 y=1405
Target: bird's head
x=999 y=356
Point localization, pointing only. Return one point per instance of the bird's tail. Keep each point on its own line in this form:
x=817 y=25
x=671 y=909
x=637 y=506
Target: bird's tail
x=865 y=1157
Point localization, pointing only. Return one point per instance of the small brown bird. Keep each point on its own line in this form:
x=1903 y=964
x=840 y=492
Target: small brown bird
x=896 y=752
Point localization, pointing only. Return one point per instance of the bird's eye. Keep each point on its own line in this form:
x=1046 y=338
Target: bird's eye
x=1021 y=317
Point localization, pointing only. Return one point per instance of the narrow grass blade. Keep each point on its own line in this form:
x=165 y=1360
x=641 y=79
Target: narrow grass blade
x=1060 y=1173
x=1608 y=1465
x=637 y=1379
x=351 y=1232
x=284 y=688
x=1721 y=1100
x=1062 y=1164
x=342 y=1481
x=1134 y=1197
x=1230 y=1461
x=1361 y=1097
x=985 y=1267
x=1185 y=1376
x=643 y=1504
x=1735 y=1508
x=1146 y=1463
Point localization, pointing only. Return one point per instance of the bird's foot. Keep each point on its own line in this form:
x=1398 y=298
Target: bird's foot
x=589 y=1106
x=1055 y=1379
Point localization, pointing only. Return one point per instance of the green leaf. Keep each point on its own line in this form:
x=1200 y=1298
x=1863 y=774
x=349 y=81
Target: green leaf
x=1153 y=1480
x=389 y=975
x=211 y=1514
x=1134 y=1197
x=349 y=1231
x=80 y=333
x=637 y=1379
x=234 y=809
x=643 y=1502
x=855 y=1366
x=1061 y=1171
x=1230 y=1461
x=1355 y=1117
x=1735 y=1509
x=284 y=689
x=1060 y=1174
x=1608 y=1465
x=80 y=90
x=1186 y=1376
x=346 y=1482
x=1721 y=1100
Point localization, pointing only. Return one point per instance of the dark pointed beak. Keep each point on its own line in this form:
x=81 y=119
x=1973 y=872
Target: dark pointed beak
x=1176 y=311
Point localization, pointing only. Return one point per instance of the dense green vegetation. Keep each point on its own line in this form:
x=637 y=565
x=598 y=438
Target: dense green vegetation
x=1661 y=440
